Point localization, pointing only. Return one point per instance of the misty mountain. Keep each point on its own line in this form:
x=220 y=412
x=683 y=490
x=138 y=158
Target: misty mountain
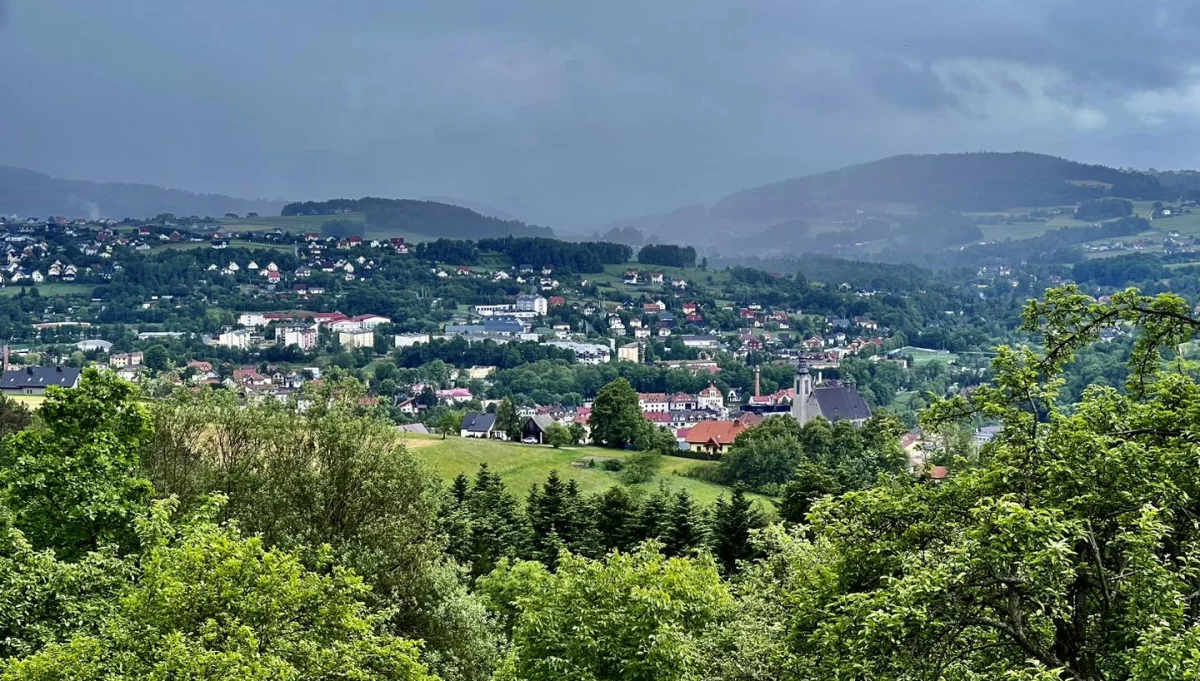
x=425 y=218
x=983 y=181
x=28 y=193
x=915 y=200
x=481 y=208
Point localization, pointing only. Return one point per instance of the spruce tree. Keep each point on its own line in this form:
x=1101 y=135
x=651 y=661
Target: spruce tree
x=653 y=518
x=460 y=488
x=548 y=511
x=684 y=533
x=497 y=524
x=615 y=513
x=732 y=522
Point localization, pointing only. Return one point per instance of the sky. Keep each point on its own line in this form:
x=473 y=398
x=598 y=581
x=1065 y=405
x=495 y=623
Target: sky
x=576 y=114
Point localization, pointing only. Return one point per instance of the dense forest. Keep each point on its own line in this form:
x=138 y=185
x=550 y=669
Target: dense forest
x=419 y=217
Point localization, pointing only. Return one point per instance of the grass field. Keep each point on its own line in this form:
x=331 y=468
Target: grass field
x=235 y=243
x=31 y=401
x=523 y=465
x=925 y=355
x=45 y=290
x=288 y=223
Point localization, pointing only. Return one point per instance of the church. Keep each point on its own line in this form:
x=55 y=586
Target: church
x=837 y=403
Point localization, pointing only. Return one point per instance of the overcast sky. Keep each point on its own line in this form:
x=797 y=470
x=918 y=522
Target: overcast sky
x=577 y=113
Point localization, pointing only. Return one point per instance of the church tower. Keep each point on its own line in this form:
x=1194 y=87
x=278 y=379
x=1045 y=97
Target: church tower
x=803 y=391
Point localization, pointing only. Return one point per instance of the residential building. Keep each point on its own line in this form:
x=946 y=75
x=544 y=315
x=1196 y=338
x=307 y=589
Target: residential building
x=702 y=342
x=713 y=437
x=631 y=352
x=535 y=304
x=360 y=338
x=710 y=398
x=478 y=425
x=303 y=337
x=535 y=427
x=407 y=340
x=654 y=402
x=124 y=360
x=35 y=380
x=235 y=339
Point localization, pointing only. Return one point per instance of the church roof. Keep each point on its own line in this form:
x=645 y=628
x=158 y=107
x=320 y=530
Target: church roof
x=842 y=403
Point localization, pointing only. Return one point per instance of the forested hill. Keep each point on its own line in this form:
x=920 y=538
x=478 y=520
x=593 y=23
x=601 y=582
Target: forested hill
x=941 y=182
x=428 y=218
x=31 y=194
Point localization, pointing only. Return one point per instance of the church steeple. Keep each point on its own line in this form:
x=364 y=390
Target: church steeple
x=803 y=391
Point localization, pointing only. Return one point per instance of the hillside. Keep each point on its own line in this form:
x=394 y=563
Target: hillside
x=942 y=182
x=28 y=193
x=412 y=216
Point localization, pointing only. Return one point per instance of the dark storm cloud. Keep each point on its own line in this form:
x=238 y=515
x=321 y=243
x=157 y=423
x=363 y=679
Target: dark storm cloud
x=576 y=113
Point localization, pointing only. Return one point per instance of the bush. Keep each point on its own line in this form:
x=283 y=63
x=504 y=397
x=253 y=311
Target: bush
x=613 y=465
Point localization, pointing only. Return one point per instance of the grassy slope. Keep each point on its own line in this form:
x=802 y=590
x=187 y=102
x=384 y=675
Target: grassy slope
x=523 y=465
x=46 y=290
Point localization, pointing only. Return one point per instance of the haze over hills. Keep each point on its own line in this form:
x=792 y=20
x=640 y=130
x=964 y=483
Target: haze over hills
x=412 y=216
x=28 y=193
x=898 y=196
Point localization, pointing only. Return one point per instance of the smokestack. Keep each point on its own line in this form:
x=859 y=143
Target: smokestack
x=757 y=382
x=6 y=358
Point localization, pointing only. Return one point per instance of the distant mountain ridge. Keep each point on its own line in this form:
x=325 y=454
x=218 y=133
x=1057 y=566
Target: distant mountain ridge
x=32 y=194
x=428 y=218
x=981 y=181
x=867 y=200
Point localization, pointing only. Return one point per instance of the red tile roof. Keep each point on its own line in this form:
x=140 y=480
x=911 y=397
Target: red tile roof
x=719 y=432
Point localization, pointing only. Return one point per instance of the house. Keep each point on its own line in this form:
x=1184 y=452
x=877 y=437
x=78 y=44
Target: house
x=535 y=427
x=455 y=395
x=713 y=437
x=128 y=359
x=656 y=277
x=683 y=402
x=370 y=321
x=35 y=380
x=833 y=403
x=679 y=284
x=478 y=425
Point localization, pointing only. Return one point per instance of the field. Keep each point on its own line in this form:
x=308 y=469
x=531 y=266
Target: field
x=45 y=290
x=31 y=401
x=523 y=465
x=235 y=243
x=290 y=223
x=925 y=355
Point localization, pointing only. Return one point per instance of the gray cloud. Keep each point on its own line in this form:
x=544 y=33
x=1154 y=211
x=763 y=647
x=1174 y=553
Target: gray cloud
x=577 y=113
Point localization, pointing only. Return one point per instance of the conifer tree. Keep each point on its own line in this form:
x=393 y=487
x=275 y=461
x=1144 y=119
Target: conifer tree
x=732 y=522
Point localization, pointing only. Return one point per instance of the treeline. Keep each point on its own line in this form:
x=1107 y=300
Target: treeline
x=420 y=217
x=1056 y=246
x=458 y=352
x=667 y=255
x=1104 y=209
x=1120 y=270
x=487 y=523
x=562 y=256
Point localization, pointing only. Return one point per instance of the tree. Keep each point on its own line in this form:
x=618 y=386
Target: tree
x=1066 y=552
x=551 y=519
x=636 y=617
x=641 y=467
x=210 y=604
x=732 y=523
x=329 y=474
x=450 y=423
x=558 y=436
x=72 y=482
x=616 y=415
x=578 y=433
x=156 y=358
x=808 y=485
x=14 y=416
x=614 y=511
x=507 y=420
x=683 y=533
